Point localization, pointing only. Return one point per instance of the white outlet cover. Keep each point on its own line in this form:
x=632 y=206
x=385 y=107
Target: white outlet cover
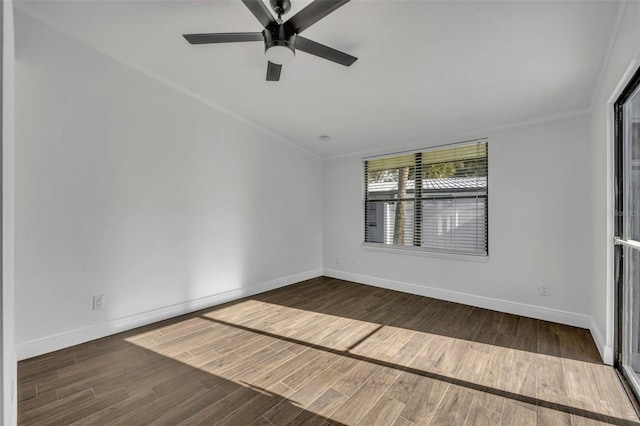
x=98 y=302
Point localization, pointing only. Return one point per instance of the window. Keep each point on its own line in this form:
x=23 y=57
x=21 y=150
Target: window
x=432 y=200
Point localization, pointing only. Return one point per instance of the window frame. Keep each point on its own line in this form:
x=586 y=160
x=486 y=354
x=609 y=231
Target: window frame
x=418 y=192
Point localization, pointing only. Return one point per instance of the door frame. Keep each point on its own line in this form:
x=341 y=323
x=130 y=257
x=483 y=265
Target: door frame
x=8 y=358
x=616 y=272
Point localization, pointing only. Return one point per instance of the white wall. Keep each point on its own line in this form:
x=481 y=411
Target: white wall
x=624 y=60
x=133 y=190
x=539 y=193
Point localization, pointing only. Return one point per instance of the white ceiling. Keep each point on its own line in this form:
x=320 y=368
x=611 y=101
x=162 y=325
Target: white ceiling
x=427 y=71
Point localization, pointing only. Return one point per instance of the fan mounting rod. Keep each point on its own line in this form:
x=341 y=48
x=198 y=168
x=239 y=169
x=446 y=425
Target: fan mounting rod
x=280 y=7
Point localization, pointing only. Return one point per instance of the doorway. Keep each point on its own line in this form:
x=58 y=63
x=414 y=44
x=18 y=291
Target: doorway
x=627 y=231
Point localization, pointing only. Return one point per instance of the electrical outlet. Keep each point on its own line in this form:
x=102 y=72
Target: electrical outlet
x=544 y=290
x=337 y=260
x=98 y=302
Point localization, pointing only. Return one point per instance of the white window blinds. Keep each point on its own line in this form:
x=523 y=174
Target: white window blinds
x=434 y=200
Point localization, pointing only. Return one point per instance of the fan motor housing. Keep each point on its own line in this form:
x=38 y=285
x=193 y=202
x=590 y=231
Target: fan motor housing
x=279 y=36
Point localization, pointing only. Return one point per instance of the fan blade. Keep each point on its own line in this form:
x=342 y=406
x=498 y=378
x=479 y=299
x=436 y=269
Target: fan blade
x=313 y=13
x=222 y=37
x=326 y=52
x=260 y=11
x=273 y=72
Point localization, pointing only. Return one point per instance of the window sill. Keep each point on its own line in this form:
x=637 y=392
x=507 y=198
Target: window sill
x=425 y=253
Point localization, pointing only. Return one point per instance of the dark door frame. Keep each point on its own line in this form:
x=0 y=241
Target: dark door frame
x=619 y=208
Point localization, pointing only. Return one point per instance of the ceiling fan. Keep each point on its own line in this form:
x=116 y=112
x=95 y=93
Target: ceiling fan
x=282 y=39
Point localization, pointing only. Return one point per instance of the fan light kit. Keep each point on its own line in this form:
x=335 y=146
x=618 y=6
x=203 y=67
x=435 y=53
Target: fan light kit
x=281 y=39
x=280 y=55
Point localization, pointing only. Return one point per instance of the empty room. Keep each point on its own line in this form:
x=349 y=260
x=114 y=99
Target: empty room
x=327 y=212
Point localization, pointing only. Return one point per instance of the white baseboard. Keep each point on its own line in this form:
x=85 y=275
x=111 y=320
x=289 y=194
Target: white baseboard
x=531 y=311
x=606 y=351
x=75 y=337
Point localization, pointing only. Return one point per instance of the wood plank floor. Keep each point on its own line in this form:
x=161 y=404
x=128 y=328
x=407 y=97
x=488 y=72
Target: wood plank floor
x=329 y=352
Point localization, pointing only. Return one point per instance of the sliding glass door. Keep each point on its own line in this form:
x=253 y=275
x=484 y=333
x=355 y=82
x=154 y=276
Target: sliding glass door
x=627 y=110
